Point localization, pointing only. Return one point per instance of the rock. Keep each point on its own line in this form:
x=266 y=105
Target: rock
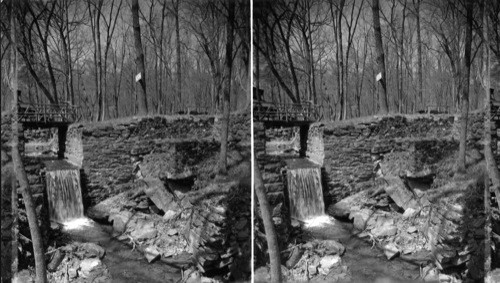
x=151 y=253
x=120 y=221
x=172 y=232
x=23 y=276
x=331 y=247
x=313 y=269
x=391 y=251
x=409 y=212
x=495 y=275
x=88 y=265
x=430 y=274
x=340 y=210
x=386 y=230
x=400 y=194
x=327 y=262
x=56 y=260
x=160 y=196
x=360 y=218
x=411 y=229
x=262 y=274
x=297 y=253
x=169 y=215
x=93 y=250
x=72 y=272
x=144 y=233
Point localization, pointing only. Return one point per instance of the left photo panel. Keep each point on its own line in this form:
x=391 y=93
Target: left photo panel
x=125 y=141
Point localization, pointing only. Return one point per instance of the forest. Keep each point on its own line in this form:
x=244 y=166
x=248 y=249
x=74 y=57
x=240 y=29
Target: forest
x=84 y=53
x=327 y=52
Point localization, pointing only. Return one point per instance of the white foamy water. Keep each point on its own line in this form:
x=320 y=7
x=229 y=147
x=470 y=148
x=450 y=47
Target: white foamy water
x=78 y=224
x=319 y=221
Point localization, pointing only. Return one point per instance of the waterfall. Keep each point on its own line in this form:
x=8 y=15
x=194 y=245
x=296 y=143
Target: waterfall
x=305 y=191
x=64 y=194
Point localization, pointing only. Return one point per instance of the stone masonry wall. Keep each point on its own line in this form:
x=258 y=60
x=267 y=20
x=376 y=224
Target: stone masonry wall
x=271 y=169
x=352 y=149
x=115 y=152
x=315 y=144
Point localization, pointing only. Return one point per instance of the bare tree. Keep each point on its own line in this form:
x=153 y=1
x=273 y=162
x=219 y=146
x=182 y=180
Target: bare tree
x=227 y=87
x=380 y=57
x=465 y=91
x=20 y=173
x=141 y=97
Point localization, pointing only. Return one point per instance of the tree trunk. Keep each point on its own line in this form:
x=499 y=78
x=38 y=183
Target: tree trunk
x=491 y=167
x=141 y=97
x=271 y=236
x=227 y=88
x=178 y=49
x=419 y=55
x=465 y=89
x=15 y=228
x=380 y=57
x=36 y=238
x=401 y=58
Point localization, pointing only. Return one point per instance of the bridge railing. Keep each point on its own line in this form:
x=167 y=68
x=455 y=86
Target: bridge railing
x=286 y=112
x=48 y=113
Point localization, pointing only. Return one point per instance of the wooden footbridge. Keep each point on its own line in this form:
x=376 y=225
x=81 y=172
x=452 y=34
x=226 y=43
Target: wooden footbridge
x=286 y=114
x=58 y=116
x=47 y=115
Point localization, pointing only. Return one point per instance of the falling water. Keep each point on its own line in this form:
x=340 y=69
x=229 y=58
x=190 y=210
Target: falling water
x=305 y=190
x=64 y=193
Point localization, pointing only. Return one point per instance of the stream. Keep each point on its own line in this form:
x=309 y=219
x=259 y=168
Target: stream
x=124 y=264
x=366 y=264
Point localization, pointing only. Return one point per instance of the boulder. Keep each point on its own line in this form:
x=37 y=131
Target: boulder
x=340 y=210
x=169 y=215
x=391 y=251
x=295 y=256
x=330 y=247
x=88 y=265
x=55 y=260
x=120 y=221
x=327 y=262
x=172 y=232
x=385 y=230
x=411 y=229
x=409 y=212
x=144 y=231
x=160 y=196
x=93 y=250
x=151 y=253
x=400 y=194
x=360 y=218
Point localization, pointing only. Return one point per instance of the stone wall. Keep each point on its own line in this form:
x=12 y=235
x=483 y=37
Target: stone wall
x=315 y=144
x=271 y=168
x=239 y=129
x=352 y=149
x=116 y=153
x=74 y=146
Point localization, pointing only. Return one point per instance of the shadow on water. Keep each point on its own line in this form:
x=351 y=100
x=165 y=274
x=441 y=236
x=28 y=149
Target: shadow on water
x=124 y=264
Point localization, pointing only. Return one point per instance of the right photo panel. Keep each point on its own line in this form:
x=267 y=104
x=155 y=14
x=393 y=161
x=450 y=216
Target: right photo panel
x=376 y=128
